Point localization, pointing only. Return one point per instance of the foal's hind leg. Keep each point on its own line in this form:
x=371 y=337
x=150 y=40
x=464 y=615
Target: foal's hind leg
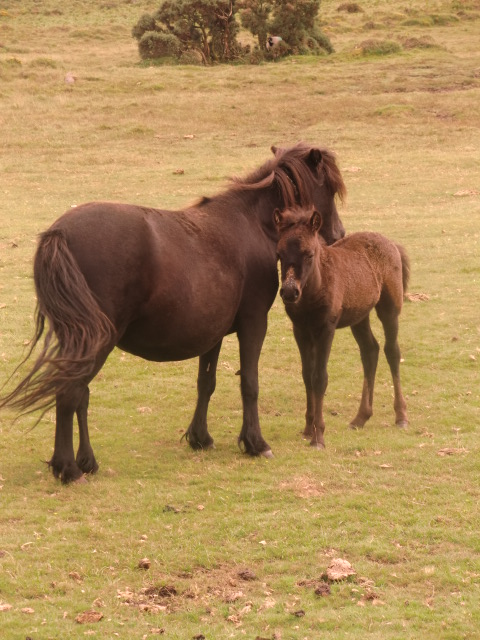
x=389 y=319
x=197 y=433
x=85 y=458
x=369 y=349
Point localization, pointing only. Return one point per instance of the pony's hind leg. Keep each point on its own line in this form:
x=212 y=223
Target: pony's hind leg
x=63 y=463
x=197 y=433
x=392 y=353
x=85 y=457
x=369 y=349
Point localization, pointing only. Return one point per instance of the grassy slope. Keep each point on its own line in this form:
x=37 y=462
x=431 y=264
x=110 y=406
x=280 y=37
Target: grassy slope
x=405 y=128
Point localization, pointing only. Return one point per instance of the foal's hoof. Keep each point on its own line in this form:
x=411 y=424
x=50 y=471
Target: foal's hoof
x=317 y=445
x=81 y=480
x=402 y=424
x=268 y=453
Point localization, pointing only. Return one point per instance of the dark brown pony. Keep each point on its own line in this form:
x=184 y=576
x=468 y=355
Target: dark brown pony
x=325 y=288
x=165 y=285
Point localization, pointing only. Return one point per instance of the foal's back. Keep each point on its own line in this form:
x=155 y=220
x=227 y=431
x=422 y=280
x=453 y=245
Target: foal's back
x=358 y=272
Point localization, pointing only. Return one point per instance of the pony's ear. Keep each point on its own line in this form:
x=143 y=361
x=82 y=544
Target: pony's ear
x=277 y=217
x=273 y=149
x=314 y=157
x=316 y=221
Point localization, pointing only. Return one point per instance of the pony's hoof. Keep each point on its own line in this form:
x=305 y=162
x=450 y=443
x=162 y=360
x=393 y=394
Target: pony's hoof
x=208 y=447
x=268 y=453
x=81 y=480
x=355 y=427
x=402 y=424
x=317 y=445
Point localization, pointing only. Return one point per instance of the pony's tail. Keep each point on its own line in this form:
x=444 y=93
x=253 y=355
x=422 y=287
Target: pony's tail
x=77 y=328
x=405 y=267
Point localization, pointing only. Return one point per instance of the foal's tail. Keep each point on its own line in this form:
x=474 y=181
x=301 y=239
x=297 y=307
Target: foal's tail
x=405 y=267
x=78 y=329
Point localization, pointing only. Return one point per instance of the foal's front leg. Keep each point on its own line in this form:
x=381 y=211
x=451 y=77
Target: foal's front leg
x=323 y=346
x=307 y=356
x=197 y=433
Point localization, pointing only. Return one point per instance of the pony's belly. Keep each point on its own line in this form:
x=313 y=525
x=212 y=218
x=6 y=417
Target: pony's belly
x=173 y=342
x=162 y=354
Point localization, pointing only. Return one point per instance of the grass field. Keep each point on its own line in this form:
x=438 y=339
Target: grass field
x=238 y=546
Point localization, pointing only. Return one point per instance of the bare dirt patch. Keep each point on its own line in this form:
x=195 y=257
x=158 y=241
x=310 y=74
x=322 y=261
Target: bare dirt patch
x=205 y=588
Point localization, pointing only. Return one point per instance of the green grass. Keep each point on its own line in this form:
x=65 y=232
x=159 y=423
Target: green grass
x=401 y=506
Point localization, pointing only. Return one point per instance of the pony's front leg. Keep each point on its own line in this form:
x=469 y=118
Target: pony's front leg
x=85 y=457
x=322 y=350
x=63 y=462
x=197 y=433
x=250 y=338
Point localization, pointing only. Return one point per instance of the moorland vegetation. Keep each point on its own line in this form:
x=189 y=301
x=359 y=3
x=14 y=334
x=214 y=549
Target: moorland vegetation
x=163 y=541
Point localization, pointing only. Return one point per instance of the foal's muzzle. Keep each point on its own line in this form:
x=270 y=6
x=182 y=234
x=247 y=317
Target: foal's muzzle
x=289 y=291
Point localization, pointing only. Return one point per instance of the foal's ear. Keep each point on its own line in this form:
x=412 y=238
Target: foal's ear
x=273 y=149
x=277 y=217
x=315 y=157
x=316 y=221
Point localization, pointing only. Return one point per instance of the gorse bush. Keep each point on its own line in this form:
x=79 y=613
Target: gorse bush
x=146 y=23
x=211 y=28
x=207 y=26
x=158 y=45
x=295 y=22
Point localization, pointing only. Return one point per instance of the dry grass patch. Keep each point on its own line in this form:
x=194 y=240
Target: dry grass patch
x=303 y=486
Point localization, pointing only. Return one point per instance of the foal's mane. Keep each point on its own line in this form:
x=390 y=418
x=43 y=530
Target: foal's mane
x=291 y=168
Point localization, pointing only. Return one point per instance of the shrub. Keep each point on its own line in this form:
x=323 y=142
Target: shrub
x=207 y=25
x=44 y=62
x=255 y=16
x=379 y=47
x=146 y=23
x=191 y=56
x=158 y=45
x=425 y=42
x=211 y=27
x=350 y=7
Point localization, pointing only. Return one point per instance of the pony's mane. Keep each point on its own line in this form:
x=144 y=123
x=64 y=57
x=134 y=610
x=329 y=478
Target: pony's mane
x=289 y=169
